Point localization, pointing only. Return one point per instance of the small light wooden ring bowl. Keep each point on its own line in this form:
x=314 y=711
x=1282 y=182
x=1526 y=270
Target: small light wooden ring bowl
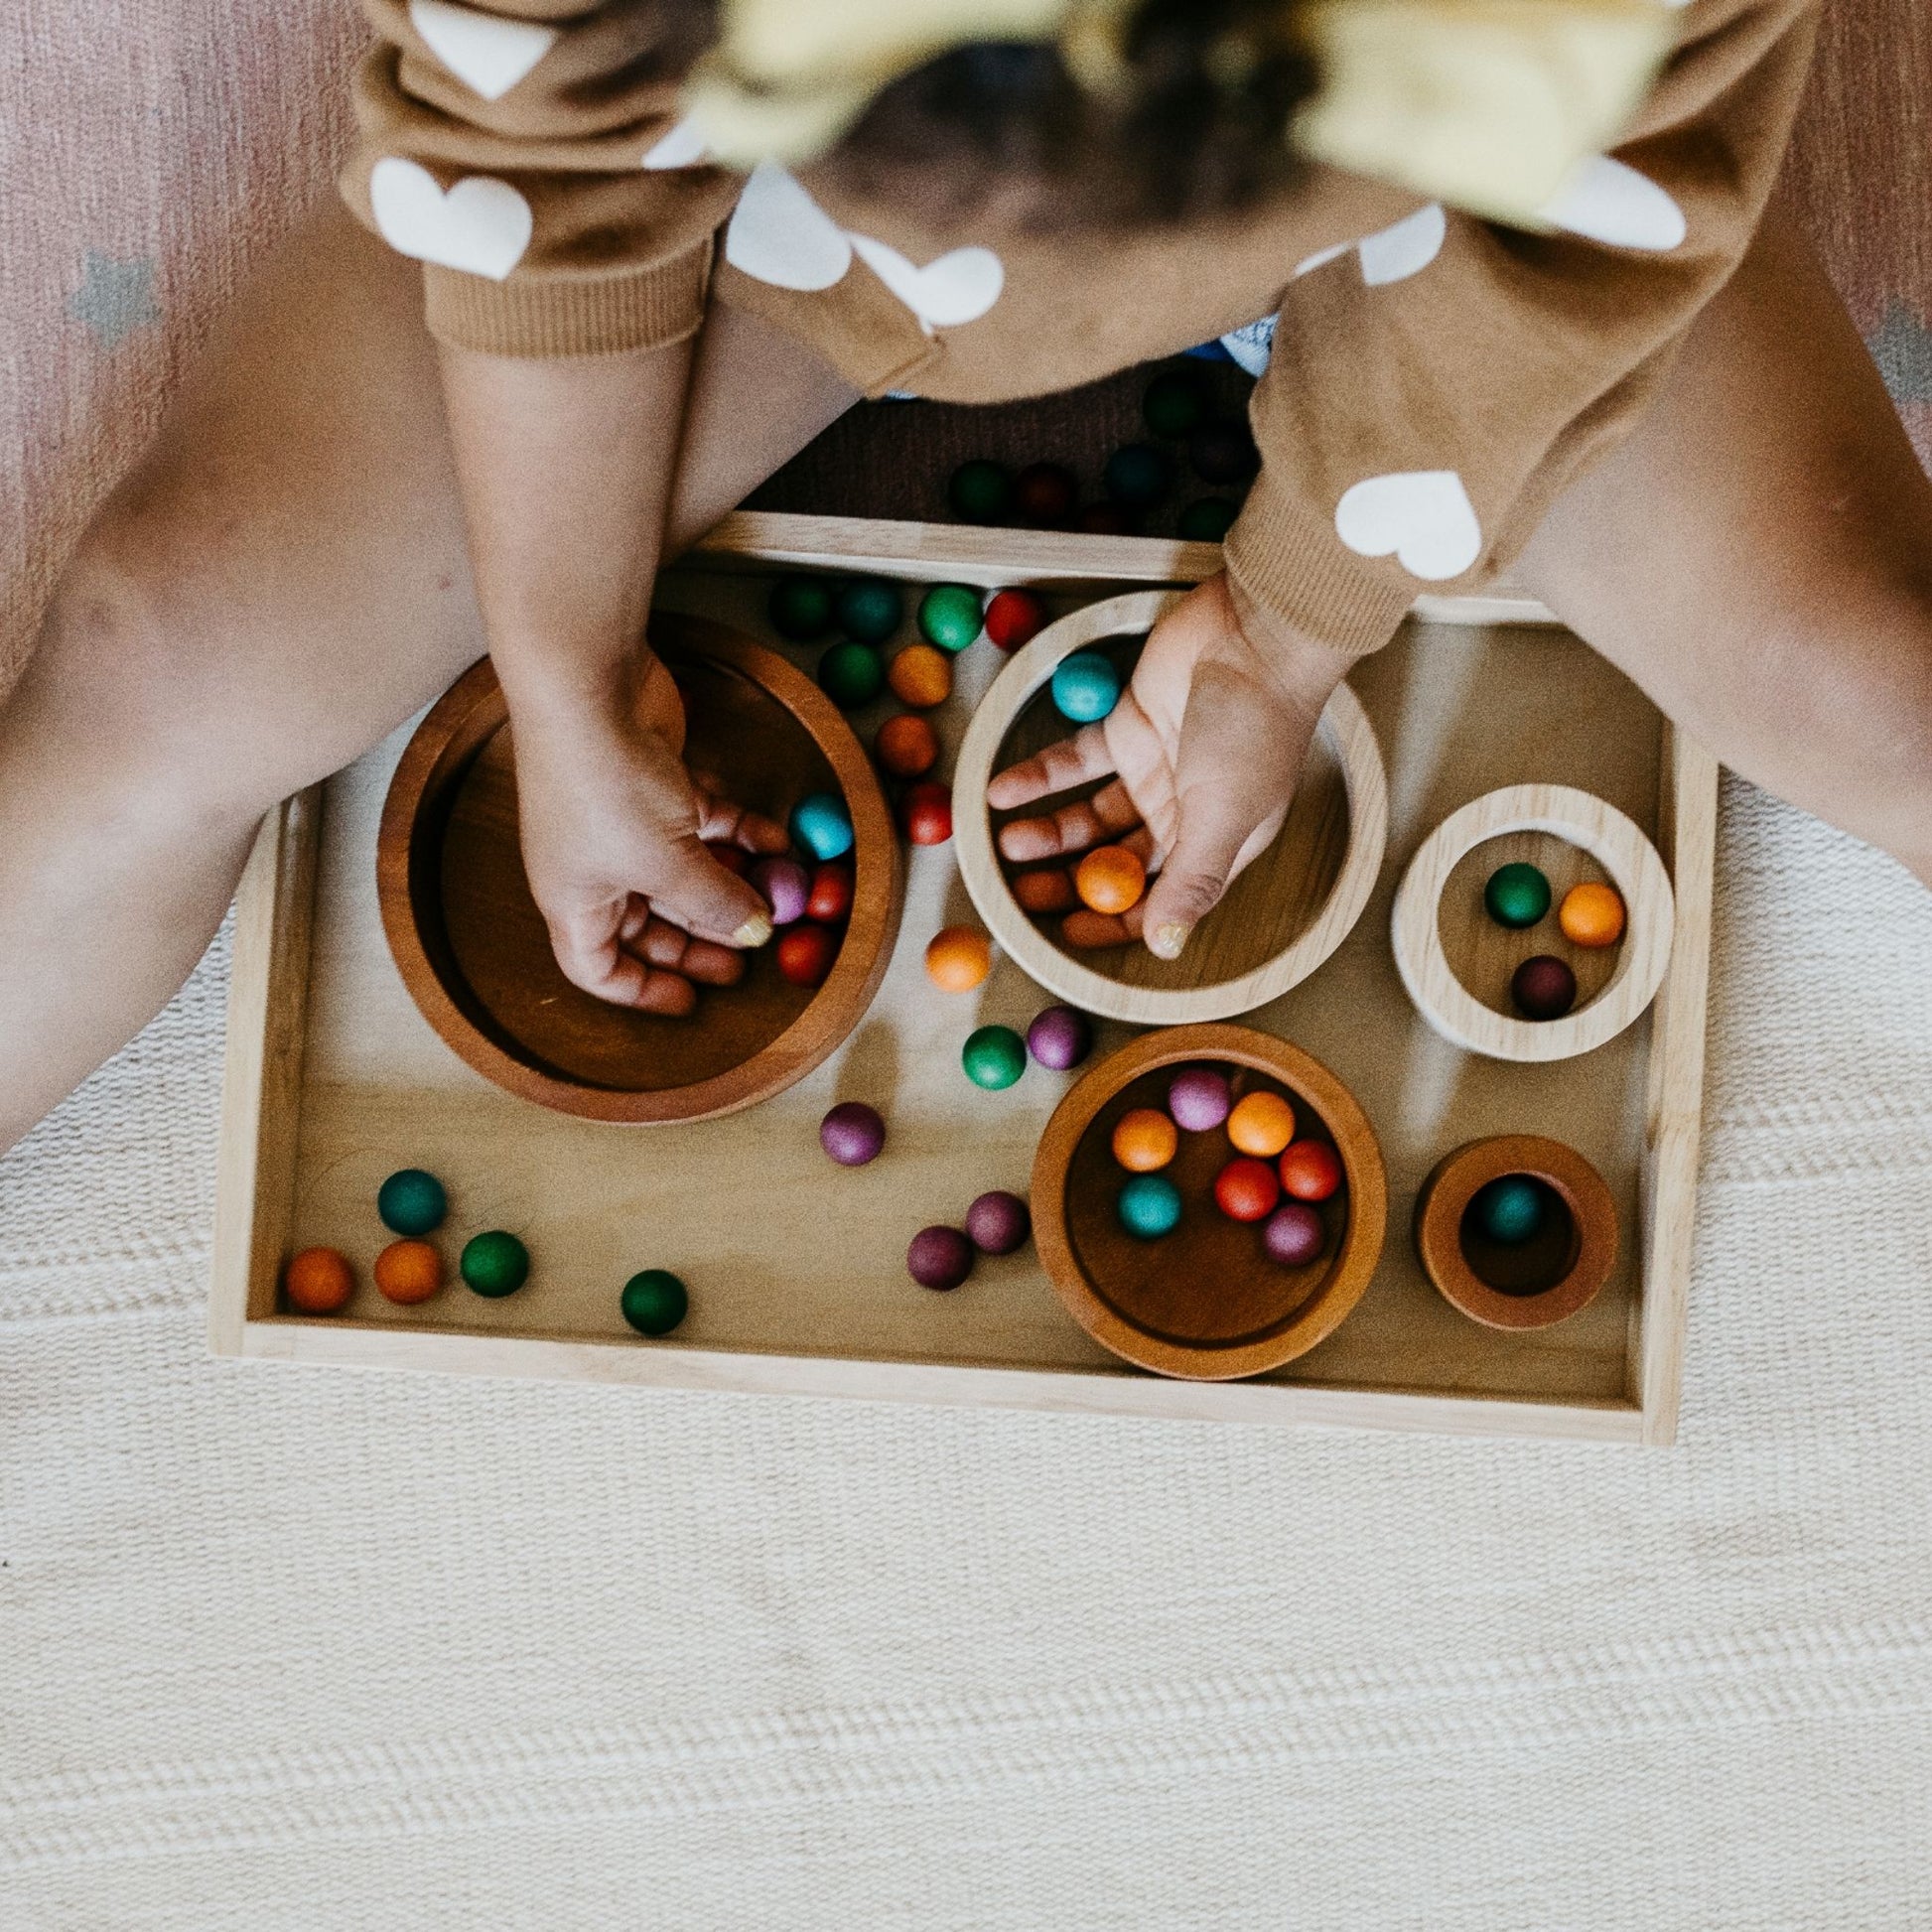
x=1615 y=841
x=1345 y=731
x=1307 y=1312
x=1455 y=1182
x=440 y=755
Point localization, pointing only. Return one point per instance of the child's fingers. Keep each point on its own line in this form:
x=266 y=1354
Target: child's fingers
x=587 y=949
x=1087 y=931
x=1104 y=818
x=1075 y=760
x=719 y=821
x=691 y=890
x=664 y=945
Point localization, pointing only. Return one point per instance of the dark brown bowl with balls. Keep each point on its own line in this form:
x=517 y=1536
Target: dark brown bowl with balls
x=1206 y=1301
x=474 y=953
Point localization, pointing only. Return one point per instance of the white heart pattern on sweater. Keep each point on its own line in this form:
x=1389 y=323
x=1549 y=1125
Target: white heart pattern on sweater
x=959 y=287
x=779 y=234
x=1608 y=200
x=481 y=225
x=1422 y=518
x=487 y=53
x=1391 y=254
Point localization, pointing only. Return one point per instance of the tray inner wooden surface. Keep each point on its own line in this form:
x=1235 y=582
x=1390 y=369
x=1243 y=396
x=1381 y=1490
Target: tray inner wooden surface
x=785 y=1253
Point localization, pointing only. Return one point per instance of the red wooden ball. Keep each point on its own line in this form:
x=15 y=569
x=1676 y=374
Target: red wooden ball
x=806 y=953
x=1015 y=618
x=734 y=859
x=1309 y=1169
x=1246 y=1189
x=925 y=813
x=830 y=897
x=1045 y=492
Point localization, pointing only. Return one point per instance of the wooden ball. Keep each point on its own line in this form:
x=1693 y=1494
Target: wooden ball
x=1138 y=476
x=1309 y=1169
x=1175 y=402
x=939 y=1258
x=655 y=1302
x=1044 y=494
x=734 y=857
x=921 y=677
x=408 y=1272
x=1543 y=987
x=980 y=491
x=1086 y=687
x=822 y=825
x=494 y=1263
x=1144 y=1140
x=785 y=885
x=1261 y=1123
x=949 y=616
x=800 y=608
x=925 y=813
x=411 y=1201
x=869 y=609
x=1246 y=1189
x=1510 y=1209
x=1149 y=1206
x=1015 y=618
x=1045 y=891
x=1207 y=520
x=958 y=959
x=805 y=954
x=829 y=899
x=851 y=675
x=1059 y=1037
x=997 y=1222
x=1110 y=879
x=1516 y=896
x=1105 y=520
x=1293 y=1234
x=1223 y=452
x=1199 y=1099
x=318 y=1281
x=906 y=747
x=853 y=1134
x=1591 y=914
x=994 y=1057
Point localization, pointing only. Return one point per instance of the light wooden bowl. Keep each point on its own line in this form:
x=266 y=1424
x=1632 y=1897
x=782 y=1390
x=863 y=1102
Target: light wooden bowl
x=1285 y=914
x=1546 y=1281
x=474 y=952
x=1205 y=1301
x=1422 y=915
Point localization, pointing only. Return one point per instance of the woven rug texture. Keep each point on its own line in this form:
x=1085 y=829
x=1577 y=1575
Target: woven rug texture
x=308 y=1649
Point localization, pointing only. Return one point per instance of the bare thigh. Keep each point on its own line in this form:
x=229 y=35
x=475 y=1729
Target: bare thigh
x=1757 y=556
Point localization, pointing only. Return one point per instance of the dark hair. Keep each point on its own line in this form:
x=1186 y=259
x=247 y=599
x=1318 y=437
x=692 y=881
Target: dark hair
x=1194 y=124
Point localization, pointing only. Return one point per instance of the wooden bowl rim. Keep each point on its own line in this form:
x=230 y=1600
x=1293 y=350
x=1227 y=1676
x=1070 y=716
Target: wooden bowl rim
x=1454 y=1183
x=1354 y=1264
x=455 y=730
x=1616 y=842
x=1345 y=731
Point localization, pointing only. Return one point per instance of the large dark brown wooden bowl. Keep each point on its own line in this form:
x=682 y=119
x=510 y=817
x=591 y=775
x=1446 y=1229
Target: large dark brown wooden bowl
x=1205 y=1301
x=472 y=949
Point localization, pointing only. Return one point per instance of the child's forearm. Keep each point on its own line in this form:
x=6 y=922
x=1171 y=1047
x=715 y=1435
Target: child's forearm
x=565 y=469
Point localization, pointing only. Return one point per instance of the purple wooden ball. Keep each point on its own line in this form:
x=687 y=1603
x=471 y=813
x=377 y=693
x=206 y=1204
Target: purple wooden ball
x=939 y=1258
x=852 y=1133
x=1293 y=1234
x=997 y=1223
x=1059 y=1037
x=1543 y=988
x=785 y=885
x=1198 y=1099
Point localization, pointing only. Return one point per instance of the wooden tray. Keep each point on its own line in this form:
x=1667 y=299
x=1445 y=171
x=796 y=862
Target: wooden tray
x=795 y=1267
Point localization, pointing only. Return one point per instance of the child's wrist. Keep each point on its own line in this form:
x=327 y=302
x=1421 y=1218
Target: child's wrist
x=1305 y=666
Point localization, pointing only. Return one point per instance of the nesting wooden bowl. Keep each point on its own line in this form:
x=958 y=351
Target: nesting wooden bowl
x=472 y=949
x=1541 y=1282
x=1205 y=1301
x=1285 y=914
x=1441 y=894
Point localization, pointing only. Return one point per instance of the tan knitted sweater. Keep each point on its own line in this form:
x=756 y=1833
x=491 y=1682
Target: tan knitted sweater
x=1435 y=378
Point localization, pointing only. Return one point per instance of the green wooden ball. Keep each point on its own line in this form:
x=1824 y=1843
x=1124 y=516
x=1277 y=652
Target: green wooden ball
x=1149 y=1206
x=869 y=609
x=949 y=616
x=655 y=1301
x=851 y=675
x=1516 y=896
x=800 y=608
x=1208 y=521
x=494 y=1263
x=412 y=1202
x=1510 y=1209
x=980 y=491
x=994 y=1057
x=1175 y=402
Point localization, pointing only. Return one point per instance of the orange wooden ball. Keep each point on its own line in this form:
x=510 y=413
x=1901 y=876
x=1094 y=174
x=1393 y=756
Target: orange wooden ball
x=408 y=1272
x=1261 y=1123
x=1110 y=879
x=908 y=747
x=958 y=959
x=1051 y=890
x=318 y=1281
x=921 y=677
x=1591 y=914
x=1144 y=1140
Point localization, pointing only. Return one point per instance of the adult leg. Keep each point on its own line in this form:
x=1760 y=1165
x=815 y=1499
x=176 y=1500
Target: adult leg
x=280 y=583
x=1757 y=556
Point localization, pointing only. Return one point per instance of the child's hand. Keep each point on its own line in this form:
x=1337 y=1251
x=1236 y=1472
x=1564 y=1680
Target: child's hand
x=613 y=830
x=1207 y=746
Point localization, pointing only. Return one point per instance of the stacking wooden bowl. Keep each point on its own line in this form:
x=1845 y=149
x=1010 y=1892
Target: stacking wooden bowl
x=1205 y=1301
x=1281 y=919
x=472 y=949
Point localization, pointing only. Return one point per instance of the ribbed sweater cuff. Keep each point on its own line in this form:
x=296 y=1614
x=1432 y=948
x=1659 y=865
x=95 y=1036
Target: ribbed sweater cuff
x=545 y=317
x=1298 y=568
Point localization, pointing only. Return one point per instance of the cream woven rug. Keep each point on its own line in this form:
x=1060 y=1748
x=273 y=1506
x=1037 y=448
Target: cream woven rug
x=286 y=1648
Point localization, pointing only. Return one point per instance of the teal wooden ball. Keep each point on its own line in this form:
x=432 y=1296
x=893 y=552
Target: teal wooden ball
x=1208 y=521
x=412 y=1202
x=869 y=609
x=949 y=616
x=851 y=675
x=1173 y=403
x=655 y=1301
x=1086 y=687
x=1138 y=476
x=1149 y=1206
x=994 y=1057
x=494 y=1263
x=1510 y=1209
x=1517 y=896
x=822 y=825
x=800 y=608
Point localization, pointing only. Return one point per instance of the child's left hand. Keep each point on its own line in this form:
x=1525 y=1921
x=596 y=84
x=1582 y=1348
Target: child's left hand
x=1205 y=748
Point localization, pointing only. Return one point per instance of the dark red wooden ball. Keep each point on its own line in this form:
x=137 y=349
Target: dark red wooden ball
x=1045 y=493
x=830 y=897
x=1246 y=1189
x=734 y=859
x=1015 y=618
x=999 y=1223
x=925 y=812
x=1105 y=520
x=939 y=1258
x=1293 y=1234
x=806 y=953
x=1543 y=988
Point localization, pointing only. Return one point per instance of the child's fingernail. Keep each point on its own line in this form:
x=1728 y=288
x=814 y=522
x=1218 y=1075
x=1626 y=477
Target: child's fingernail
x=1166 y=942
x=754 y=932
